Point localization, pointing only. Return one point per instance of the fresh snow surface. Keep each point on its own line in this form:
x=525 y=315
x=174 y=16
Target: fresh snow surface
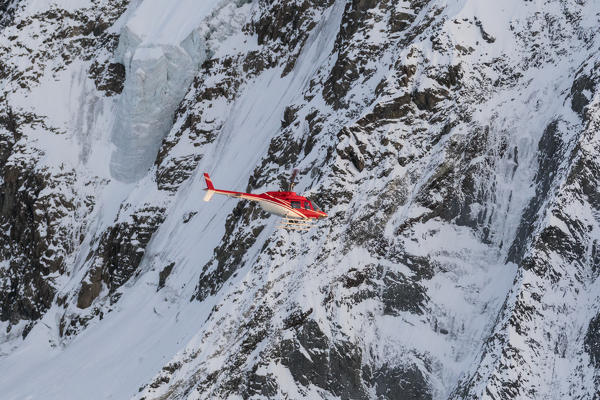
x=38 y=6
x=158 y=22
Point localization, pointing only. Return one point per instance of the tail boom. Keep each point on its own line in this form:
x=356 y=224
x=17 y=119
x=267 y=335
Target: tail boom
x=210 y=191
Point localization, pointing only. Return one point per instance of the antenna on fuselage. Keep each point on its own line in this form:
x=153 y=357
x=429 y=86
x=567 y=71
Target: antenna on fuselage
x=293 y=180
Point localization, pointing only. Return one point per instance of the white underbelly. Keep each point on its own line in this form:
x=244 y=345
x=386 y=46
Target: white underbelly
x=277 y=209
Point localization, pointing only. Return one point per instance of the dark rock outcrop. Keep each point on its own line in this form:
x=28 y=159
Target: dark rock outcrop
x=592 y=341
x=119 y=253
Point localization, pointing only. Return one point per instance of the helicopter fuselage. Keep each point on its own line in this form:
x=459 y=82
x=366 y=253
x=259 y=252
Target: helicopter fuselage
x=285 y=204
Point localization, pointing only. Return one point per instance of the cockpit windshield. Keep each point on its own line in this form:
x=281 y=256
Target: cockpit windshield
x=315 y=205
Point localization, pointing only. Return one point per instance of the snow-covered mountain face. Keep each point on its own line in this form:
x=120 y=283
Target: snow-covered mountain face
x=454 y=146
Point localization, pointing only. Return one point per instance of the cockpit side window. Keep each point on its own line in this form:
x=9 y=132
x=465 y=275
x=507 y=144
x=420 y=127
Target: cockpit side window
x=306 y=205
x=315 y=206
x=295 y=204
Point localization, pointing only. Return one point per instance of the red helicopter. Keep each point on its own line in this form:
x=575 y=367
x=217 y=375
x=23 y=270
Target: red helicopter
x=298 y=212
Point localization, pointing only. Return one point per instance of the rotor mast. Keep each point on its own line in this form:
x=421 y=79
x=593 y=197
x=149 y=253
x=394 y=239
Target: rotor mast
x=293 y=180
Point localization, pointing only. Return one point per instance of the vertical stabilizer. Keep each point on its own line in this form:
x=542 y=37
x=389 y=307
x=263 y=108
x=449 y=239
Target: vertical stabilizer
x=210 y=189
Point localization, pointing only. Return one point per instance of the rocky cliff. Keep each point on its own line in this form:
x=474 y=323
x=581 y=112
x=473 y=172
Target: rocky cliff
x=454 y=146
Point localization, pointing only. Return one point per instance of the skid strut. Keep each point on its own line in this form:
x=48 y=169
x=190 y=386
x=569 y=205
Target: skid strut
x=298 y=224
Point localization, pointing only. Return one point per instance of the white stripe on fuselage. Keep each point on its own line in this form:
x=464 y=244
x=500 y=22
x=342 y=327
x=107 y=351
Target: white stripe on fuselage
x=275 y=206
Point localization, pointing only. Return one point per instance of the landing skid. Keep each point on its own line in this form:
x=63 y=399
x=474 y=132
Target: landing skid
x=297 y=224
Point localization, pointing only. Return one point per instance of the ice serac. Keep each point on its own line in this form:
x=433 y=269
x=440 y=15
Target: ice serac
x=161 y=48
